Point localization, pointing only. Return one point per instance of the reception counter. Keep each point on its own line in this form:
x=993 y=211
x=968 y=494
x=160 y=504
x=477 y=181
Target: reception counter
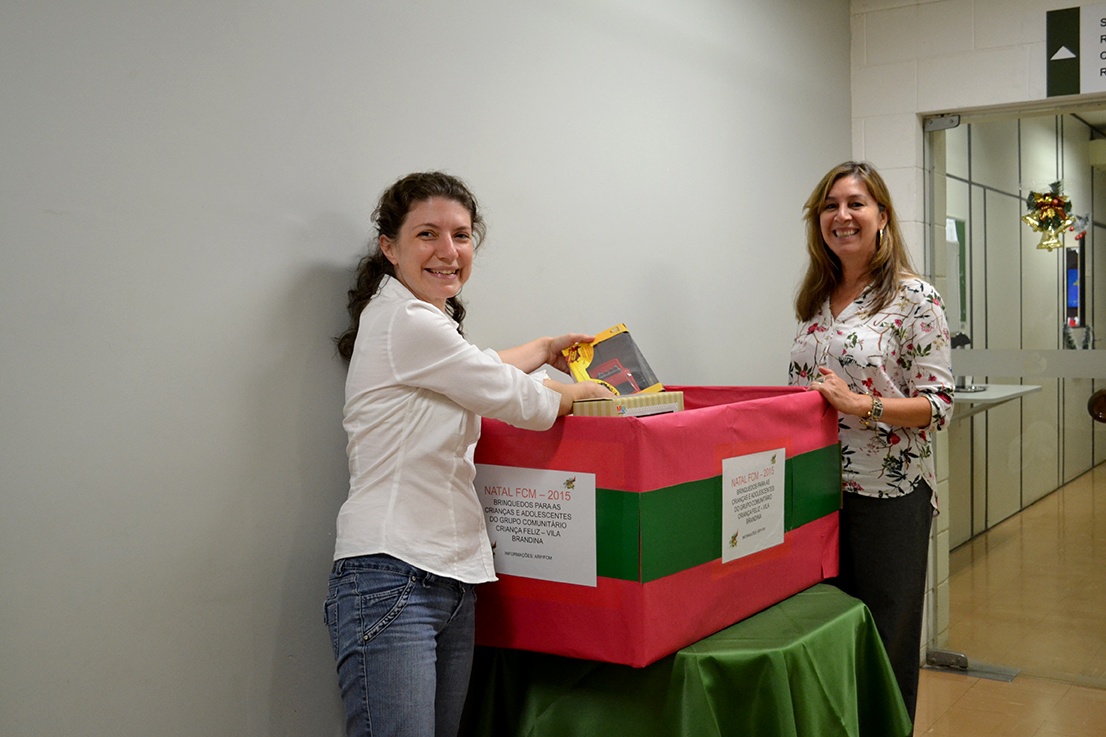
x=812 y=664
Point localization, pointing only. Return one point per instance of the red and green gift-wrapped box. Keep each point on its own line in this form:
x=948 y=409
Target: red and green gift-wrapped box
x=661 y=583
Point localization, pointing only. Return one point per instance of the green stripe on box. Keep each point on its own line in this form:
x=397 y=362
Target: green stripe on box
x=814 y=486
x=616 y=533
x=681 y=525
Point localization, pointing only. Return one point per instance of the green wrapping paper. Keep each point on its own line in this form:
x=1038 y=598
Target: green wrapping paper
x=812 y=665
x=672 y=529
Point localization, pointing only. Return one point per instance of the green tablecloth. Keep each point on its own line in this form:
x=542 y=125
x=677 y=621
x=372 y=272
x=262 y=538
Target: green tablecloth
x=810 y=666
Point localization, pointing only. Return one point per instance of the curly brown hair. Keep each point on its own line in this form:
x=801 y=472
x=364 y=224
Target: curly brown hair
x=388 y=216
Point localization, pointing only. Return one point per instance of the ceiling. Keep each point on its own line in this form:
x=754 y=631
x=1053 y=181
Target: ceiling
x=1094 y=118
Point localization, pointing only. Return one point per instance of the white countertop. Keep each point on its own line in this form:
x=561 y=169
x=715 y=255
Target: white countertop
x=969 y=403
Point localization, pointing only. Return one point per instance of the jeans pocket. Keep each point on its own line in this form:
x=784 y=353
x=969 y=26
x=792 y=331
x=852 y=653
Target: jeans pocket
x=360 y=604
x=381 y=599
x=330 y=619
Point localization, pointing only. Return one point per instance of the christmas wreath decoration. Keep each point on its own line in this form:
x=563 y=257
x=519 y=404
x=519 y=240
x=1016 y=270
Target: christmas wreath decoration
x=1049 y=214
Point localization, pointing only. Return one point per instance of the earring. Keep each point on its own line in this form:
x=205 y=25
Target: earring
x=879 y=238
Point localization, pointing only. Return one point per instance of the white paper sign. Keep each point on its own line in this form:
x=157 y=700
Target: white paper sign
x=1092 y=48
x=752 y=503
x=541 y=523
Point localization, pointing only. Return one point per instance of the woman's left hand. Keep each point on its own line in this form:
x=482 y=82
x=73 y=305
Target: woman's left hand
x=556 y=358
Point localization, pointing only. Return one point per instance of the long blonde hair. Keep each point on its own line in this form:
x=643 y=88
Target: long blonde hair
x=890 y=262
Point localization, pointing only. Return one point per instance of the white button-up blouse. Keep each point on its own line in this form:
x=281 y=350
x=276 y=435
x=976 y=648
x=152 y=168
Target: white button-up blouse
x=415 y=392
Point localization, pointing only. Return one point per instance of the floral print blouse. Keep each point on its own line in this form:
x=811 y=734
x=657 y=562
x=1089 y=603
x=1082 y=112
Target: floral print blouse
x=900 y=351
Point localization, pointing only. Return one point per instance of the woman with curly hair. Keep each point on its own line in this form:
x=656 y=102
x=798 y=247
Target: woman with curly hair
x=411 y=540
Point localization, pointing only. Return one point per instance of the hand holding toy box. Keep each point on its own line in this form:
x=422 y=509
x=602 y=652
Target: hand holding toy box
x=614 y=361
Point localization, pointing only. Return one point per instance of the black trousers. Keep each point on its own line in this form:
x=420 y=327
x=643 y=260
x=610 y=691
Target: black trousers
x=884 y=553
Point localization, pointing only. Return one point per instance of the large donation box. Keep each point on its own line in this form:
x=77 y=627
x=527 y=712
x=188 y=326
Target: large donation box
x=624 y=539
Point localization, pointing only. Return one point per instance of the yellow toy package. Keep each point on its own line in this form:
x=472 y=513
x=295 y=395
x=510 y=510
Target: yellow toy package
x=614 y=361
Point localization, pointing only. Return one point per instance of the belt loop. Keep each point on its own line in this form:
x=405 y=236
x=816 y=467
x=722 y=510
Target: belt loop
x=339 y=566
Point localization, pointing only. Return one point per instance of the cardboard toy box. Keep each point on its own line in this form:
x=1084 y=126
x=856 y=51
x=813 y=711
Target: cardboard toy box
x=660 y=580
x=634 y=405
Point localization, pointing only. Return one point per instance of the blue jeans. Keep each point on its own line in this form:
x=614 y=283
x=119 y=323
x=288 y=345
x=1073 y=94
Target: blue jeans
x=403 y=642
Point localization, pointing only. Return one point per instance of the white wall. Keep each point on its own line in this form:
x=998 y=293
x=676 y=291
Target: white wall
x=186 y=188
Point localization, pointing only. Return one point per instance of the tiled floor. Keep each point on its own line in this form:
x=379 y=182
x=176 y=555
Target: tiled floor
x=1029 y=595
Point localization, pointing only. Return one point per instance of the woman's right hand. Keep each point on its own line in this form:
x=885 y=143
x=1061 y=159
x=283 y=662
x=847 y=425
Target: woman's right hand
x=839 y=395
x=572 y=392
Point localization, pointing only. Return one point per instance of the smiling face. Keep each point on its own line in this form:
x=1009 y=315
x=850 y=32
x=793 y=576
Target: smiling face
x=432 y=253
x=851 y=220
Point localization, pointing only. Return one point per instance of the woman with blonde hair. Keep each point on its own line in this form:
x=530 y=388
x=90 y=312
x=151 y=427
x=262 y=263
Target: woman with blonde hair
x=873 y=340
